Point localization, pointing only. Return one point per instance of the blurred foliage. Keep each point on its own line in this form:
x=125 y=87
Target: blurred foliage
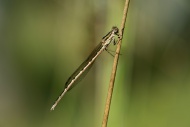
x=43 y=42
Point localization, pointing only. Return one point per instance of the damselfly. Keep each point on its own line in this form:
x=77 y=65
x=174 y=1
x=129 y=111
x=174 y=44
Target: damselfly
x=87 y=64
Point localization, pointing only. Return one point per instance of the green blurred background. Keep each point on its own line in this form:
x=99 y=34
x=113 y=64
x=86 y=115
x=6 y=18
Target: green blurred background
x=43 y=41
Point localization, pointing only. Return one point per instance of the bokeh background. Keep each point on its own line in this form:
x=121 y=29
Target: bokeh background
x=43 y=41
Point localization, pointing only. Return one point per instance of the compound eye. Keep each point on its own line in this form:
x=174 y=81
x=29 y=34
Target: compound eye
x=115 y=29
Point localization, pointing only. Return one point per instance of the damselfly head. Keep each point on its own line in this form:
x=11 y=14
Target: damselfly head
x=115 y=29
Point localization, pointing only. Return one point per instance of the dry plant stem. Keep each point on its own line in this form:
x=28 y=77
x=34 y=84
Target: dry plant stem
x=114 y=68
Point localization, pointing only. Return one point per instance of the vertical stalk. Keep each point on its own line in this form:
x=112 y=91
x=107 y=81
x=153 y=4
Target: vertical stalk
x=114 y=68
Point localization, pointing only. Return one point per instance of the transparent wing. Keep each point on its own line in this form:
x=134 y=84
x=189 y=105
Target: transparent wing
x=81 y=67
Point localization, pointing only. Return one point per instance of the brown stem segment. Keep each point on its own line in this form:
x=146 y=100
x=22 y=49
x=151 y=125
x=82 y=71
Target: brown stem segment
x=114 y=68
